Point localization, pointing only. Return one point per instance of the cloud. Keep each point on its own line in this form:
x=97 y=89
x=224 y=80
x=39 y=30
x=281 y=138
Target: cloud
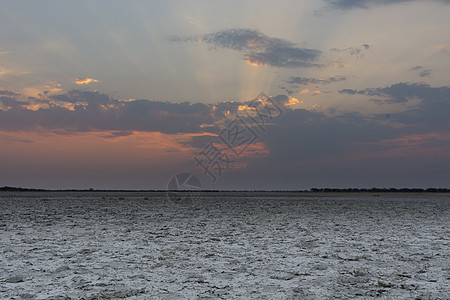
x=403 y=92
x=365 y=4
x=81 y=111
x=242 y=40
x=301 y=135
x=258 y=48
x=8 y=93
x=292 y=101
x=306 y=81
x=14 y=139
x=337 y=65
x=84 y=80
x=283 y=57
x=422 y=72
x=442 y=48
x=117 y=134
x=354 y=51
x=295 y=82
x=353 y=92
x=8 y=103
x=351 y=4
x=431 y=113
x=425 y=73
x=84 y=111
x=309 y=147
x=3 y=72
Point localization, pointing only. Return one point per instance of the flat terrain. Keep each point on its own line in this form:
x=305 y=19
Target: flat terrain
x=99 y=245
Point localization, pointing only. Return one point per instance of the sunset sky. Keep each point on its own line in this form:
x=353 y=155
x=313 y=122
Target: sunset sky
x=126 y=94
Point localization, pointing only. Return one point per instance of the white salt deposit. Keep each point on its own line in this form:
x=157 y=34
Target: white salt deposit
x=295 y=246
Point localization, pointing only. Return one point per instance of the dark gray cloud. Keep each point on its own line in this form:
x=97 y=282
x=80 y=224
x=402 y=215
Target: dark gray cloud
x=296 y=82
x=432 y=113
x=403 y=92
x=117 y=134
x=354 y=51
x=353 y=92
x=304 y=135
x=351 y=4
x=242 y=39
x=258 y=48
x=7 y=93
x=11 y=103
x=284 y=57
x=309 y=148
x=304 y=80
x=79 y=96
x=422 y=71
x=425 y=73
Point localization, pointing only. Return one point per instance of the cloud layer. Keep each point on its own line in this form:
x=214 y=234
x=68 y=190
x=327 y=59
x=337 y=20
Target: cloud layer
x=294 y=143
x=84 y=111
x=80 y=111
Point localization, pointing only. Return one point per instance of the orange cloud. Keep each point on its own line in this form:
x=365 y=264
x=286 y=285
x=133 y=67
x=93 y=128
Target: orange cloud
x=305 y=91
x=245 y=107
x=316 y=93
x=442 y=48
x=85 y=80
x=128 y=100
x=291 y=101
x=3 y=72
x=41 y=91
x=33 y=107
x=254 y=63
x=337 y=64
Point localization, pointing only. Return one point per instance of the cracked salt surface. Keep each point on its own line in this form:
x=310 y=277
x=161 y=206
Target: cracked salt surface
x=91 y=245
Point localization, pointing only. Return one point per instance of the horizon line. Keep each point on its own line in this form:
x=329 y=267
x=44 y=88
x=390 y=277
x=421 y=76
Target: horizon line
x=311 y=190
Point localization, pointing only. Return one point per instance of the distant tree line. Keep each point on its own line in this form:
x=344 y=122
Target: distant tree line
x=18 y=189
x=380 y=190
x=315 y=190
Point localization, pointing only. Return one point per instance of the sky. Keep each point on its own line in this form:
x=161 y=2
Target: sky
x=274 y=95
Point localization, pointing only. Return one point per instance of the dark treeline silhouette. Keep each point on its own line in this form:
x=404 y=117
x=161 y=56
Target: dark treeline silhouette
x=380 y=190
x=314 y=190
x=18 y=189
